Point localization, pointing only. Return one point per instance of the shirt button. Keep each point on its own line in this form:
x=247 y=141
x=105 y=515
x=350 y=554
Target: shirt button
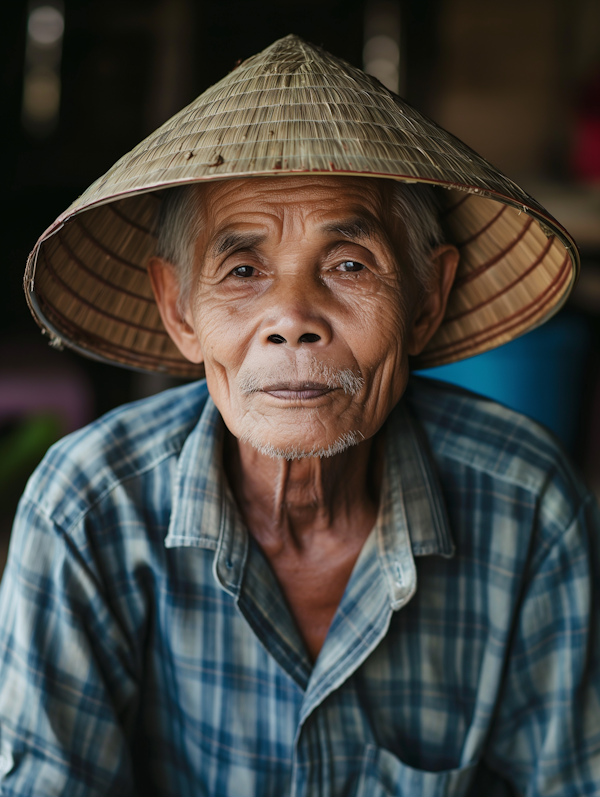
x=399 y=576
x=6 y=763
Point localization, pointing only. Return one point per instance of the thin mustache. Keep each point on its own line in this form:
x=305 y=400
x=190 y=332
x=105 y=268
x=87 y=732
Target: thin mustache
x=316 y=375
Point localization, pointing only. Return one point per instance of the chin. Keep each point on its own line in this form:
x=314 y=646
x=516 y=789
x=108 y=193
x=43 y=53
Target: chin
x=301 y=449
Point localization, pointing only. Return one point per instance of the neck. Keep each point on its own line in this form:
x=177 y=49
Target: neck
x=295 y=503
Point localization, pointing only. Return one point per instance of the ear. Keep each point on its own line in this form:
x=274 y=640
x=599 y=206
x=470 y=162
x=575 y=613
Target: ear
x=166 y=292
x=432 y=306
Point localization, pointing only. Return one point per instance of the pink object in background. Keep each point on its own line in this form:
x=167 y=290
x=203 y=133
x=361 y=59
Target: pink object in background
x=586 y=141
x=34 y=379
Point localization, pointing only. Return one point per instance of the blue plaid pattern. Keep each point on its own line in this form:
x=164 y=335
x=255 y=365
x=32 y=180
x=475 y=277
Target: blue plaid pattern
x=145 y=647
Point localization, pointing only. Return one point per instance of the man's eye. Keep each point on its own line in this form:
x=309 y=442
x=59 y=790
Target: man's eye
x=350 y=265
x=244 y=271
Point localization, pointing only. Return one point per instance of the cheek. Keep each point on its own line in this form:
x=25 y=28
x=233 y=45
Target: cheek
x=223 y=331
x=378 y=335
x=376 y=329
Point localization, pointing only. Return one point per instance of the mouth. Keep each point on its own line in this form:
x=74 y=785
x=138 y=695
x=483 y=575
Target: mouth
x=297 y=391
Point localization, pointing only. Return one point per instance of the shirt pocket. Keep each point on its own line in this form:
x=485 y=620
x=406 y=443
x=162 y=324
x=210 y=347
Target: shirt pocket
x=384 y=775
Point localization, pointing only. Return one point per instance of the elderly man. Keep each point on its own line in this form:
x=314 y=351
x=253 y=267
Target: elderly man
x=308 y=575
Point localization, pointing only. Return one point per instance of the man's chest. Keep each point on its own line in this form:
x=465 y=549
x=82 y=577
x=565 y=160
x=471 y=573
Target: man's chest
x=312 y=587
x=391 y=699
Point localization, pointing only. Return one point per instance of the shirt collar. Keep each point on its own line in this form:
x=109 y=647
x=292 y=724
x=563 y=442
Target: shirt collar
x=413 y=482
x=199 y=485
x=412 y=509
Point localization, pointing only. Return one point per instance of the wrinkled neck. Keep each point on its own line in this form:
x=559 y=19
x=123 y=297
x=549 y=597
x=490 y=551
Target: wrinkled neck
x=295 y=501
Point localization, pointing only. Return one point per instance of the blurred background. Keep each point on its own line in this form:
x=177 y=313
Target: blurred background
x=83 y=81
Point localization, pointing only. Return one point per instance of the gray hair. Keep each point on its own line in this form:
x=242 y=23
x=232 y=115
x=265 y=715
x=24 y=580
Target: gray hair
x=178 y=225
x=418 y=206
x=180 y=222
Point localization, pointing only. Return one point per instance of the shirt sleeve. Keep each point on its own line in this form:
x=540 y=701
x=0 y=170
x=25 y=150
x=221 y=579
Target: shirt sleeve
x=546 y=737
x=68 y=690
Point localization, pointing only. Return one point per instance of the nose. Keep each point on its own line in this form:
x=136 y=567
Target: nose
x=297 y=315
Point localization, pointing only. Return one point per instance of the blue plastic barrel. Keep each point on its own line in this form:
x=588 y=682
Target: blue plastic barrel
x=540 y=374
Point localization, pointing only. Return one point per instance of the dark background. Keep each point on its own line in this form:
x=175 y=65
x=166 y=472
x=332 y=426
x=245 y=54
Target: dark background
x=518 y=81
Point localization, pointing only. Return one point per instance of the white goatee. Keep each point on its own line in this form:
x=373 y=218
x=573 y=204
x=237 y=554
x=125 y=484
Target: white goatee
x=310 y=371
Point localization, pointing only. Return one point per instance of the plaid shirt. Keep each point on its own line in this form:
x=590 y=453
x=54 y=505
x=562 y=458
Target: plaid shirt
x=145 y=647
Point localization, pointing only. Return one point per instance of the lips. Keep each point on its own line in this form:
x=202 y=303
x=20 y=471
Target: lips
x=297 y=391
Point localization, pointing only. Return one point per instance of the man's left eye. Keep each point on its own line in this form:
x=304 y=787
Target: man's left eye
x=350 y=265
x=244 y=271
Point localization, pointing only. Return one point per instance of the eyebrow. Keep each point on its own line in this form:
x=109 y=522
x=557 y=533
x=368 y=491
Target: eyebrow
x=356 y=228
x=228 y=240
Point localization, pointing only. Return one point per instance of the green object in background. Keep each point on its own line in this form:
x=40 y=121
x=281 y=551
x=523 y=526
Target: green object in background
x=23 y=443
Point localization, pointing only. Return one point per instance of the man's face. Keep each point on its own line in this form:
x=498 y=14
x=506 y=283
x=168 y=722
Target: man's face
x=302 y=309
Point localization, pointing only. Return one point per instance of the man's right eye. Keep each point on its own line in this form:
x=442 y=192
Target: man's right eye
x=244 y=271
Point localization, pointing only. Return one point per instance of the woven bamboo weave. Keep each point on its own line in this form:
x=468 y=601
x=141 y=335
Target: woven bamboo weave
x=295 y=109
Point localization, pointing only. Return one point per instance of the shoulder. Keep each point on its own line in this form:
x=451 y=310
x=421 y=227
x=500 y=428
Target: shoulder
x=474 y=434
x=79 y=470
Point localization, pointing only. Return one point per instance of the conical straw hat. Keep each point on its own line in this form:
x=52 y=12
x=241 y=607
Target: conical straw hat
x=294 y=109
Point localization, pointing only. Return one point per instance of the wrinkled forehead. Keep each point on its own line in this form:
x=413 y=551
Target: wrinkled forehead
x=311 y=202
